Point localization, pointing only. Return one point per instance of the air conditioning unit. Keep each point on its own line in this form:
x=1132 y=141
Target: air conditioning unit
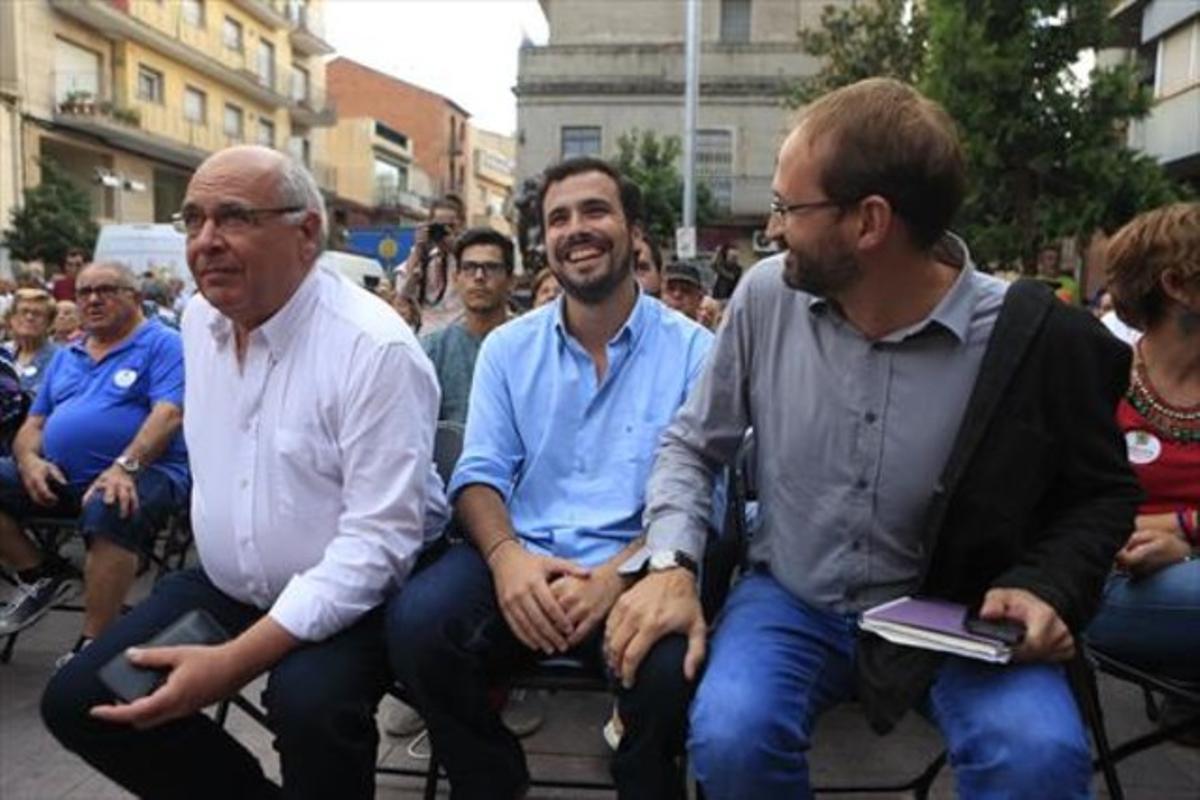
x=762 y=244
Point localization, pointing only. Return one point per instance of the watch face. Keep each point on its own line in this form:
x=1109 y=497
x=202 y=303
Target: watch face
x=663 y=561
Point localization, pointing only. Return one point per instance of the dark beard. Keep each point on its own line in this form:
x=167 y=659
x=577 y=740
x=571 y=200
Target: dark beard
x=823 y=276
x=596 y=291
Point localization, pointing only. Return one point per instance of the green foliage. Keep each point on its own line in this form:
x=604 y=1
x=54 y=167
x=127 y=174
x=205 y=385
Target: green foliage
x=55 y=216
x=865 y=40
x=1046 y=152
x=650 y=162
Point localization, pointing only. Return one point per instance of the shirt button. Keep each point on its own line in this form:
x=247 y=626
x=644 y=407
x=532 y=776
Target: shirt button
x=870 y=417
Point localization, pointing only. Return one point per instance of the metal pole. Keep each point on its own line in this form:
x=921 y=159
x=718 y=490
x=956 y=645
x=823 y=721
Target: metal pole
x=690 y=101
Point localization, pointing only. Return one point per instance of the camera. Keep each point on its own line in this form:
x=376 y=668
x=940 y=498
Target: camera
x=437 y=231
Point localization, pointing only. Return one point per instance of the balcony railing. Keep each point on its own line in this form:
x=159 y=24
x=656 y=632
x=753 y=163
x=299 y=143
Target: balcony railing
x=308 y=33
x=310 y=106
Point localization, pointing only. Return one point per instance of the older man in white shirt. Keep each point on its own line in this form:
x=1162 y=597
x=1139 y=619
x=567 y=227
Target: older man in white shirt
x=310 y=504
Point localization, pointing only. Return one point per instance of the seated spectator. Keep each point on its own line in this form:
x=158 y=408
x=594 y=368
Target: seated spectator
x=31 y=319
x=483 y=276
x=567 y=405
x=101 y=445
x=63 y=285
x=683 y=289
x=1151 y=610
x=545 y=288
x=310 y=506
x=710 y=313
x=68 y=327
x=648 y=261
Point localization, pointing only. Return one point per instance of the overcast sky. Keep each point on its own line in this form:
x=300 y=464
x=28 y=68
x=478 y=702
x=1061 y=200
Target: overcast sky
x=463 y=49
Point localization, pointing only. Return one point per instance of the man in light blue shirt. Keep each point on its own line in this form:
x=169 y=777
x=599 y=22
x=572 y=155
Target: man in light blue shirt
x=566 y=410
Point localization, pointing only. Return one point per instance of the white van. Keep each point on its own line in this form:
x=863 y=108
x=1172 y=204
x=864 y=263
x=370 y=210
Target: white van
x=359 y=269
x=145 y=246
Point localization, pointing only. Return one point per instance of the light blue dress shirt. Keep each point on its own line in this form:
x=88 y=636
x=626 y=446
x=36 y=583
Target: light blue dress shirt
x=571 y=457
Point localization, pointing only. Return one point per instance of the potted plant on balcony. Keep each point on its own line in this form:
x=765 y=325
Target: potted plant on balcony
x=78 y=101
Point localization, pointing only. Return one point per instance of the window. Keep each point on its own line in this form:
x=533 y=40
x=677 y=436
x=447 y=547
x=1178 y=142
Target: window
x=149 y=84
x=299 y=84
x=266 y=132
x=580 y=141
x=231 y=34
x=195 y=105
x=391 y=178
x=1178 y=59
x=233 y=122
x=192 y=12
x=300 y=149
x=266 y=62
x=76 y=71
x=735 y=20
x=714 y=164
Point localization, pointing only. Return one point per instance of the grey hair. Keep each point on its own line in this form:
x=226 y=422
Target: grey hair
x=297 y=187
x=127 y=276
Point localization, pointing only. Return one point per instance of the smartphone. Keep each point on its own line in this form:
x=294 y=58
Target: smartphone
x=129 y=682
x=1009 y=631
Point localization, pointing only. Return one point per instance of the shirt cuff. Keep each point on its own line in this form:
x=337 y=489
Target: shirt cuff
x=304 y=611
x=676 y=532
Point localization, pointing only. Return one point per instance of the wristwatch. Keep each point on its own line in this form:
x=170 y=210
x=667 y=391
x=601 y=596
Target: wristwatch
x=670 y=559
x=129 y=464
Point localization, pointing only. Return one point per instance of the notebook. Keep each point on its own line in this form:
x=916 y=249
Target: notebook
x=933 y=625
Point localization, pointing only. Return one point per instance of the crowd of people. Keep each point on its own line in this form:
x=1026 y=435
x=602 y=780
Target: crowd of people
x=919 y=427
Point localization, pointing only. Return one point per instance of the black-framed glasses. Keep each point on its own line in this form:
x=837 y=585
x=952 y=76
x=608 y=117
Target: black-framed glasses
x=491 y=269
x=783 y=209
x=102 y=290
x=226 y=218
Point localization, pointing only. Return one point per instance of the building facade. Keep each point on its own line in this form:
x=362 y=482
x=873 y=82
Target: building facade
x=378 y=180
x=611 y=68
x=129 y=96
x=490 y=186
x=1163 y=36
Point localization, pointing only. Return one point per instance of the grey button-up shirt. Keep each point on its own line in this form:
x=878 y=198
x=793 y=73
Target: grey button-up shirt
x=852 y=434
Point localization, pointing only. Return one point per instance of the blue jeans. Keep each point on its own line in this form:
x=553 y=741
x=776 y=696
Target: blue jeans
x=776 y=664
x=449 y=645
x=320 y=699
x=1152 y=622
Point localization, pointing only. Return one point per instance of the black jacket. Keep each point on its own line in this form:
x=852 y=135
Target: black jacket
x=1037 y=493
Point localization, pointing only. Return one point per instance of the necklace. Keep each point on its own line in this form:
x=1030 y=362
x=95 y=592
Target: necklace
x=1181 y=424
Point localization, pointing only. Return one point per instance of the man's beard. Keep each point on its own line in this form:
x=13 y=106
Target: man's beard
x=822 y=274
x=598 y=287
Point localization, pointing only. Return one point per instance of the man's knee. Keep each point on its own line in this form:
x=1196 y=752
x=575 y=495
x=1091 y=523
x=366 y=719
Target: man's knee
x=67 y=701
x=660 y=686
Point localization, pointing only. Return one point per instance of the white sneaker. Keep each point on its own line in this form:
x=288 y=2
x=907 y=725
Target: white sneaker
x=401 y=720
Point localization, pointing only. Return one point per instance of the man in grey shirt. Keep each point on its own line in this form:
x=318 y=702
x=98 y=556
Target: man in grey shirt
x=863 y=358
x=483 y=277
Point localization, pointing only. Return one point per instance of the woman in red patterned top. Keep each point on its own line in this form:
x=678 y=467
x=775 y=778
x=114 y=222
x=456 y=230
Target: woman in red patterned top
x=1151 y=611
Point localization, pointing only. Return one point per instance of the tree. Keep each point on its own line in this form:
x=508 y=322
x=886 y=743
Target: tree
x=1045 y=150
x=649 y=162
x=55 y=216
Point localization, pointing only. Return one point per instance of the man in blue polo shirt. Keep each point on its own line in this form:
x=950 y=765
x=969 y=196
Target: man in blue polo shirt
x=566 y=408
x=102 y=443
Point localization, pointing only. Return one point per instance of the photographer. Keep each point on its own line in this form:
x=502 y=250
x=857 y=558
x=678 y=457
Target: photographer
x=428 y=267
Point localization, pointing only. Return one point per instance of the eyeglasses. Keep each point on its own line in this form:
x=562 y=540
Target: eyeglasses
x=490 y=268
x=783 y=209
x=228 y=218
x=104 y=291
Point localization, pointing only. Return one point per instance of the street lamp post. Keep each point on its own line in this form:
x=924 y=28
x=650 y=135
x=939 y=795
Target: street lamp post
x=685 y=239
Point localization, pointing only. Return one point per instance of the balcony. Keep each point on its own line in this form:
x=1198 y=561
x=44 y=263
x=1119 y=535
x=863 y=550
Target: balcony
x=310 y=108
x=162 y=28
x=388 y=196
x=145 y=127
x=308 y=33
x=271 y=13
x=1171 y=132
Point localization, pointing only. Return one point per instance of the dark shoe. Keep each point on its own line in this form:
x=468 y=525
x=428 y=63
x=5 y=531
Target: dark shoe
x=32 y=600
x=1175 y=712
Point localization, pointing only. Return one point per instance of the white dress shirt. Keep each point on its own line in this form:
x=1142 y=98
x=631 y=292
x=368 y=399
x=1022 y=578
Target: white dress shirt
x=311 y=495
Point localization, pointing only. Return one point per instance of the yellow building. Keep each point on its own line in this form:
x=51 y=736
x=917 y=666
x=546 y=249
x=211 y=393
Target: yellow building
x=130 y=95
x=378 y=181
x=490 y=185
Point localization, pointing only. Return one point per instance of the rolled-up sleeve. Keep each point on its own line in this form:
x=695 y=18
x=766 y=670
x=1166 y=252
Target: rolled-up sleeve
x=492 y=449
x=385 y=495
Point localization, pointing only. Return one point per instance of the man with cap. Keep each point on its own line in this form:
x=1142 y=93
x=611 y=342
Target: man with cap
x=682 y=288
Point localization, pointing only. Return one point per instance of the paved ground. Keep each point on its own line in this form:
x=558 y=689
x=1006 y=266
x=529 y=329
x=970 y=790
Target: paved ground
x=33 y=767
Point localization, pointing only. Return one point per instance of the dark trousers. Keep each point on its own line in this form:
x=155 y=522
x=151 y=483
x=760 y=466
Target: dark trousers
x=449 y=644
x=320 y=699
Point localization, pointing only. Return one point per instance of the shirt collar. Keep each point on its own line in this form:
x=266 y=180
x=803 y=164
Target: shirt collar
x=633 y=327
x=953 y=312
x=80 y=344
x=281 y=327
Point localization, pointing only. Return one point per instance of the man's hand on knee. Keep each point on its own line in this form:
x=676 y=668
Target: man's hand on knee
x=115 y=485
x=659 y=604
x=199 y=676
x=1047 y=637
x=529 y=606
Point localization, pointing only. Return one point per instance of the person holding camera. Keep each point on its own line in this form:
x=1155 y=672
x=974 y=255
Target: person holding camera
x=426 y=274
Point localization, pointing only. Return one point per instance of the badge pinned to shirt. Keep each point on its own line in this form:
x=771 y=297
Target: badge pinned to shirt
x=124 y=378
x=30 y=370
x=1143 y=446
